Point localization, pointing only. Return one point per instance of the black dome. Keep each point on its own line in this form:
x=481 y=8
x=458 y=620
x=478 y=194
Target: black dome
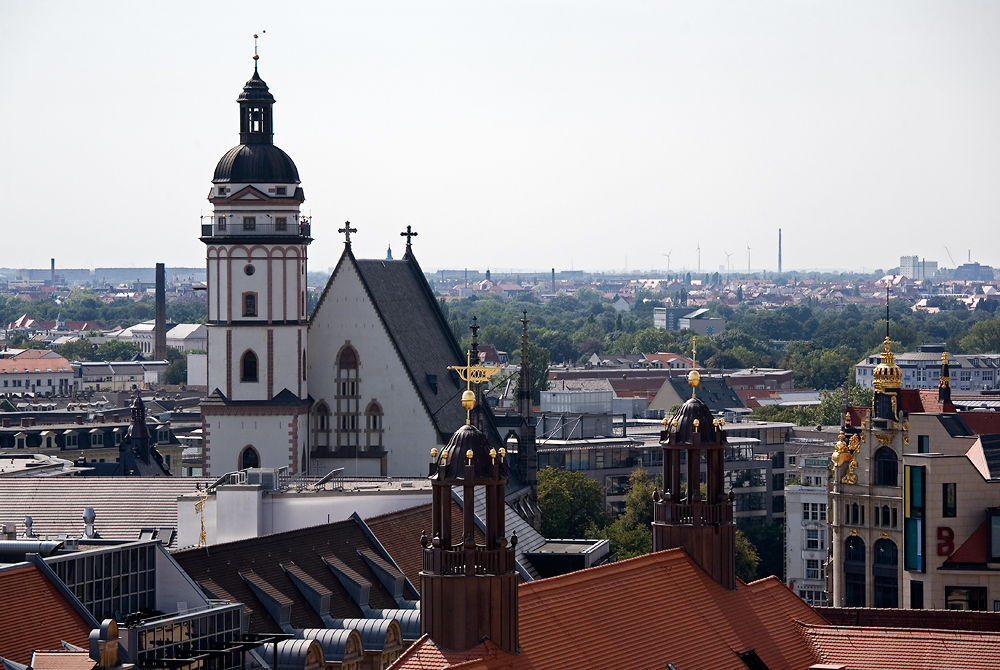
x=685 y=418
x=256 y=163
x=467 y=438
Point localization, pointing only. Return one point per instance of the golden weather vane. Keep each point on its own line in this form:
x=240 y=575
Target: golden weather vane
x=472 y=374
x=255 y=56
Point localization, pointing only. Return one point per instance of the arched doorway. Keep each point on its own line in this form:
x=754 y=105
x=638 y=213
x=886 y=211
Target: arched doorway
x=854 y=572
x=885 y=574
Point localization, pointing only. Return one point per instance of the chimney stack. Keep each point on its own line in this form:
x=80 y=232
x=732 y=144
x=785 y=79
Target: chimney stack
x=89 y=516
x=160 y=329
x=553 y=280
x=52 y=271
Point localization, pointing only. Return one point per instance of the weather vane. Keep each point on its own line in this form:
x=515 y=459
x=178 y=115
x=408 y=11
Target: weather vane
x=472 y=374
x=255 y=56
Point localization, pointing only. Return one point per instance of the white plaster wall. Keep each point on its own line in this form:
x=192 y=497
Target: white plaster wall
x=228 y=435
x=348 y=314
x=197 y=370
x=238 y=512
x=286 y=358
x=288 y=513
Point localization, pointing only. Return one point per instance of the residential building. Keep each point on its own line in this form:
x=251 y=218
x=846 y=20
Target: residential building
x=117 y=375
x=921 y=369
x=699 y=323
x=807 y=542
x=188 y=337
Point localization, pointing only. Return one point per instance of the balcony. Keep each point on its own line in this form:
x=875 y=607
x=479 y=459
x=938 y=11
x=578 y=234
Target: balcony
x=453 y=560
x=697 y=514
x=268 y=228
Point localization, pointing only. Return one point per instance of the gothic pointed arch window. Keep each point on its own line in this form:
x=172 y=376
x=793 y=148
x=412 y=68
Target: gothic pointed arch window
x=323 y=426
x=347 y=415
x=373 y=426
x=249 y=458
x=886 y=467
x=854 y=572
x=248 y=367
x=885 y=583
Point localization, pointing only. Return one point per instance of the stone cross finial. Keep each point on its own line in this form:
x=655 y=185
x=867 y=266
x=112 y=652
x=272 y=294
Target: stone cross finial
x=347 y=230
x=408 y=235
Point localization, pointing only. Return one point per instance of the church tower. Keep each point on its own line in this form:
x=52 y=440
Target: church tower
x=703 y=526
x=257 y=412
x=468 y=591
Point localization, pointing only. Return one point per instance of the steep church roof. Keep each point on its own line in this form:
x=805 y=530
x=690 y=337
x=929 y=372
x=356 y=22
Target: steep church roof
x=421 y=335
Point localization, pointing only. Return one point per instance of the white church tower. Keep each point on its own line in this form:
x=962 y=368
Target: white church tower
x=258 y=409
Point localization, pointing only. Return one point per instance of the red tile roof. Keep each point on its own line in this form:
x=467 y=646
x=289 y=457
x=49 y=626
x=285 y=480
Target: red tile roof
x=61 y=659
x=35 y=615
x=858 y=415
x=874 y=648
x=982 y=423
x=974 y=549
x=646 y=612
x=33 y=365
x=967 y=620
x=399 y=532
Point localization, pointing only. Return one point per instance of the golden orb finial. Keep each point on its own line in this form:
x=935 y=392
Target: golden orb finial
x=469 y=454
x=503 y=452
x=434 y=453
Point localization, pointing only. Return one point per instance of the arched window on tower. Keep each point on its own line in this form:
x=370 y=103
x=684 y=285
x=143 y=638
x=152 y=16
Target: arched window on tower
x=886 y=467
x=885 y=564
x=854 y=572
x=249 y=458
x=348 y=398
x=373 y=426
x=323 y=427
x=248 y=367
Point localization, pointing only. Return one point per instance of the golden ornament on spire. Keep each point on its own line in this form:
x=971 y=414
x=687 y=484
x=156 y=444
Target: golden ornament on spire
x=887 y=375
x=472 y=374
x=694 y=377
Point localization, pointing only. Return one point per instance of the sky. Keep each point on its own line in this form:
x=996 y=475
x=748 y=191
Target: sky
x=511 y=135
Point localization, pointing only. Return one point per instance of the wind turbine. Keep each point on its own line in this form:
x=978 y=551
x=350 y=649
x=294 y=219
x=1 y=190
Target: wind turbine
x=728 y=271
x=748 y=258
x=699 y=256
x=668 y=259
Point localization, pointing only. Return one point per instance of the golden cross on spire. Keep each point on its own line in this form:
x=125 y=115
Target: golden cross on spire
x=347 y=230
x=694 y=377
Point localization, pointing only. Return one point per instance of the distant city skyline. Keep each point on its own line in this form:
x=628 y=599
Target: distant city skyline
x=545 y=134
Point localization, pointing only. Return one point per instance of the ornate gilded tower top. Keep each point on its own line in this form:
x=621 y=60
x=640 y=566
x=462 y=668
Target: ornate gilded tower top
x=887 y=375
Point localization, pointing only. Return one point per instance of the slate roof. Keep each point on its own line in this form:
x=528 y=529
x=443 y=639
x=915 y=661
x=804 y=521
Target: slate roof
x=56 y=504
x=646 y=612
x=528 y=539
x=420 y=334
x=27 y=598
x=713 y=391
x=218 y=567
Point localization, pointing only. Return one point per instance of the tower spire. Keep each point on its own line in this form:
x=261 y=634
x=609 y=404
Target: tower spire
x=255 y=56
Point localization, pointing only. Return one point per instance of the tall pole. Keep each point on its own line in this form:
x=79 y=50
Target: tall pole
x=779 y=250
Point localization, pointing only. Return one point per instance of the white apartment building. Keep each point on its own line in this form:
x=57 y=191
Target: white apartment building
x=915 y=267
x=806 y=542
x=922 y=369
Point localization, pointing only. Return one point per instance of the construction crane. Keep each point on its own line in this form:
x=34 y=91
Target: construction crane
x=949 y=256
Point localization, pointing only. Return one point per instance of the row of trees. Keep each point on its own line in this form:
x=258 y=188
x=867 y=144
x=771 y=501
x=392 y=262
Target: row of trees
x=819 y=345
x=87 y=305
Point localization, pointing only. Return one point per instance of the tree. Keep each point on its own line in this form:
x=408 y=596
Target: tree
x=176 y=371
x=739 y=294
x=570 y=502
x=768 y=542
x=77 y=350
x=116 y=350
x=983 y=338
x=631 y=534
x=504 y=338
x=747 y=559
x=538 y=364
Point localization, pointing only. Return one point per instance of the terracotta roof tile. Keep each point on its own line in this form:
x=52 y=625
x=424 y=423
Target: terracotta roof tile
x=399 y=532
x=875 y=648
x=982 y=423
x=27 y=597
x=61 y=659
x=646 y=612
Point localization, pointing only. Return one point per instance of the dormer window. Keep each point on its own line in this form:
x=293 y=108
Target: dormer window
x=280 y=190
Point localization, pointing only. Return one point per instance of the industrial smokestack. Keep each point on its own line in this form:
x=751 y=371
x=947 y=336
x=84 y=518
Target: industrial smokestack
x=553 y=280
x=779 y=251
x=160 y=328
x=52 y=271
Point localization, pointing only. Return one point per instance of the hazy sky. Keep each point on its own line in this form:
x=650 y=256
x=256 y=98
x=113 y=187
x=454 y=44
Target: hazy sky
x=523 y=135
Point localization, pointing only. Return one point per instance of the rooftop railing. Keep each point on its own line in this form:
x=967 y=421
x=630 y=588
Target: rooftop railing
x=258 y=228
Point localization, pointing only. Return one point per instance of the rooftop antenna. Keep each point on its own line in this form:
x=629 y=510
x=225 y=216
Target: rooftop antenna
x=255 y=56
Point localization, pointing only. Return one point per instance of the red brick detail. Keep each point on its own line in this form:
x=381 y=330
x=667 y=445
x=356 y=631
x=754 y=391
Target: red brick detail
x=229 y=363
x=270 y=285
x=270 y=363
x=298 y=356
x=254 y=410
